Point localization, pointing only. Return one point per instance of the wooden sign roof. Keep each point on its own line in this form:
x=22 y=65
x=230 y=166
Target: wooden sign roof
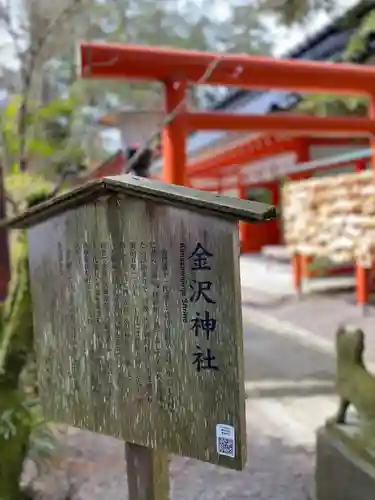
x=170 y=194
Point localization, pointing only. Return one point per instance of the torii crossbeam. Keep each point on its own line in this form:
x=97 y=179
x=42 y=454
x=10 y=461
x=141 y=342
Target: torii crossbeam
x=177 y=68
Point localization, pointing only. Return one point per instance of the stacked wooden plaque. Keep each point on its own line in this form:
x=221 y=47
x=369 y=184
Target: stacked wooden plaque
x=332 y=217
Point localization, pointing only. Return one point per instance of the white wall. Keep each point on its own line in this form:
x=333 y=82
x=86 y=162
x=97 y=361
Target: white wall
x=137 y=126
x=210 y=183
x=204 y=183
x=254 y=172
x=267 y=169
x=233 y=193
x=278 y=166
x=322 y=152
x=326 y=152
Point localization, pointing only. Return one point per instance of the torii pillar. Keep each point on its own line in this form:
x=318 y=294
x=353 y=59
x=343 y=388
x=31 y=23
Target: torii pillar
x=174 y=133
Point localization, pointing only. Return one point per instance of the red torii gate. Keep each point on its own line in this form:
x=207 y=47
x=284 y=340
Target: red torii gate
x=178 y=68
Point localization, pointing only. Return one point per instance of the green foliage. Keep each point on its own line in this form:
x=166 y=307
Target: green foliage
x=16 y=337
x=23 y=430
x=328 y=104
x=47 y=137
x=187 y=25
x=357 y=43
x=16 y=344
x=292 y=12
x=320 y=266
x=20 y=187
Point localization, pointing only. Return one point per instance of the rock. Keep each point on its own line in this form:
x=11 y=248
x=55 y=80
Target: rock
x=344 y=471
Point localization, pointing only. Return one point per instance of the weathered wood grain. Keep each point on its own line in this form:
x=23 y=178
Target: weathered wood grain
x=148 y=473
x=114 y=298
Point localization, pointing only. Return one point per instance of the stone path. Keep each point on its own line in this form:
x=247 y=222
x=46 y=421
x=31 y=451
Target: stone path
x=289 y=394
x=269 y=301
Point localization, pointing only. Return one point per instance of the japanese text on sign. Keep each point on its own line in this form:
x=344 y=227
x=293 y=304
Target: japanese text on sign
x=203 y=324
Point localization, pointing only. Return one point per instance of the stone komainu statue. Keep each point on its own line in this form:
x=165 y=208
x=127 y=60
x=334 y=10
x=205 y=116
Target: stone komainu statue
x=355 y=385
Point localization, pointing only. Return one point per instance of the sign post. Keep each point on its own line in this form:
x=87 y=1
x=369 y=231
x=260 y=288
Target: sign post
x=148 y=473
x=137 y=310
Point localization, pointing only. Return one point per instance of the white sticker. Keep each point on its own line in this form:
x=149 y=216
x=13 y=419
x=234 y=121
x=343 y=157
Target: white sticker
x=225 y=440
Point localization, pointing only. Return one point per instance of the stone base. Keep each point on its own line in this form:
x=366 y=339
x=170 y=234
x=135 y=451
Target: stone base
x=344 y=470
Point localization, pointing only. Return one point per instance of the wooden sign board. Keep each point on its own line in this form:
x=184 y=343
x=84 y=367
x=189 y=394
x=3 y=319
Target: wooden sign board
x=137 y=308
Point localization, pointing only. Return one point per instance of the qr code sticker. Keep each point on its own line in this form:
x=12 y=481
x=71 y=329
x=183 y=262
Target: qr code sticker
x=225 y=446
x=225 y=440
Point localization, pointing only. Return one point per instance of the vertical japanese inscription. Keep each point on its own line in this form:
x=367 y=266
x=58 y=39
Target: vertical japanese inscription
x=144 y=268
x=70 y=294
x=118 y=299
x=156 y=328
x=87 y=261
x=203 y=324
x=123 y=344
x=59 y=370
x=137 y=318
x=169 y=403
x=96 y=351
x=126 y=333
x=104 y=258
x=150 y=297
x=88 y=329
x=106 y=357
x=184 y=299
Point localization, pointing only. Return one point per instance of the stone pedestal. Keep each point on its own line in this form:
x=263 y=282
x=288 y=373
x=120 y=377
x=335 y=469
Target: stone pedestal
x=344 y=470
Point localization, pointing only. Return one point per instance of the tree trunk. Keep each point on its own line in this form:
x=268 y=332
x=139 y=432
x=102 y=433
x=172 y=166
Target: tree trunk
x=16 y=343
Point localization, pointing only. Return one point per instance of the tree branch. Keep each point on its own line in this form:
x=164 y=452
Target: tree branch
x=12 y=202
x=64 y=15
x=28 y=71
x=6 y=17
x=64 y=175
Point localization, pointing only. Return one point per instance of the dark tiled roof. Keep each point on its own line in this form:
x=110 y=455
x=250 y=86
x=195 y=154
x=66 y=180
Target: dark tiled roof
x=329 y=43
x=318 y=44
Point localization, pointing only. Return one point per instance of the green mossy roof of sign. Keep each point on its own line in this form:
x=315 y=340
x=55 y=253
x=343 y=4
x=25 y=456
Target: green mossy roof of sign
x=158 y=191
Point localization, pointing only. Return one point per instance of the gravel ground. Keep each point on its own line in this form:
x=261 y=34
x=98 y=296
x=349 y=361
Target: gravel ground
x=281 y=423
x=92 y=467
